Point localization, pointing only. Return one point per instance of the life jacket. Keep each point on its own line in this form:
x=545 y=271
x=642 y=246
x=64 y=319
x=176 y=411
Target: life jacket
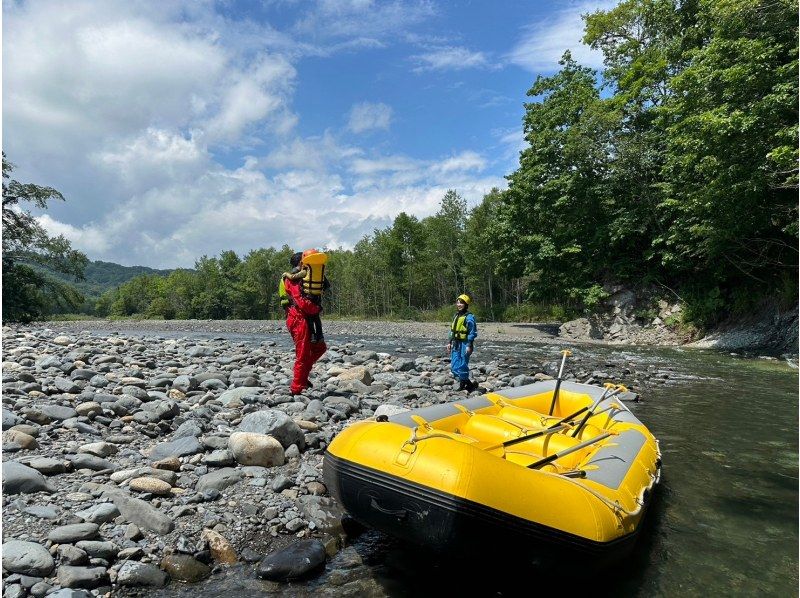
x=285 y=298
x=314 y=262
x=458 y=329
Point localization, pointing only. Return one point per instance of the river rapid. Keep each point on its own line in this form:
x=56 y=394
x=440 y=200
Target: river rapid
x=724 y=522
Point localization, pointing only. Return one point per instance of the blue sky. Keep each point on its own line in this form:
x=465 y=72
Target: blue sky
x=177 y=129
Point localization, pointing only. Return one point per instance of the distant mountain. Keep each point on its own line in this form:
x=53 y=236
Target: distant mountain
x=103 y=276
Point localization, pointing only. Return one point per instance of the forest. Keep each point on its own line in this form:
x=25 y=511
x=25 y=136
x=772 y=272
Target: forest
x=674 y=170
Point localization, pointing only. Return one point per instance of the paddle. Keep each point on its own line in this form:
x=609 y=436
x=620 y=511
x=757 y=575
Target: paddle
x=555 y=427
x=565 y=353
x=571 y=449
x=590 y=413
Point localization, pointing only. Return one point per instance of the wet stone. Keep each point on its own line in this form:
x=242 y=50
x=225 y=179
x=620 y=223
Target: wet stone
x=298 y=560
x=182 y=567
x=141 y=574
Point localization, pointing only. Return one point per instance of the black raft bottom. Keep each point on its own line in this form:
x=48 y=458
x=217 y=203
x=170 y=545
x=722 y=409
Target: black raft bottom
x=445 y=524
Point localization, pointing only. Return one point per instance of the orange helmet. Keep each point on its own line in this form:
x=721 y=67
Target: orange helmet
x=309 y=252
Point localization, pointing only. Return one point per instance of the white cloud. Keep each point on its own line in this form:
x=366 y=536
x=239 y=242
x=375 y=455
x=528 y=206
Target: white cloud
x=362 y=18
x=170 y=129
x=252 y=95
x=462 y=162
x=153 y=158
x=315 y=153
x=175 y=223
x=449 y=58
x=367 y=116
x=543 y=43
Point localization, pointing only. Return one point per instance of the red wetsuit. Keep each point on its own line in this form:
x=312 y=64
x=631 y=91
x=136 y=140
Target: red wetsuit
x=306 y=352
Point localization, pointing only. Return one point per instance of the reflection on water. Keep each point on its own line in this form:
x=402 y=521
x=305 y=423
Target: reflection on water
x=725 y=521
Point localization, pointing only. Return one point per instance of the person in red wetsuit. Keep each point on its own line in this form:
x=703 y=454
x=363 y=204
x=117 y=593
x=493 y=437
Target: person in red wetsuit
x=306 y=352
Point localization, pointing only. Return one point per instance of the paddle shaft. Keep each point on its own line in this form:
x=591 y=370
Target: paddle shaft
x=558 y=382
x=591 y=411
x=566 y=452
x=556 y=427
x=551 y=430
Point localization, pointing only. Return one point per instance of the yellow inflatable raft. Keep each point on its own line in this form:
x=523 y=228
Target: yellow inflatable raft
x=511 y=469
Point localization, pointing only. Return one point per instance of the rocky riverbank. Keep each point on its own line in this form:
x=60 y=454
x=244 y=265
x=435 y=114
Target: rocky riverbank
x=132 y=459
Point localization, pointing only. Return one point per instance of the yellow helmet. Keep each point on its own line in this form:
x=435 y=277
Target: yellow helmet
x=465 y=298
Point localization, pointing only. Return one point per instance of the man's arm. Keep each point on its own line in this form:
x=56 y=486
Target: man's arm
x=303 y=303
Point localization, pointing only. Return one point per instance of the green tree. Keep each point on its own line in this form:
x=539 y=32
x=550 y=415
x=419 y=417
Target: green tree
x=730 y=178
x=555 y=212
x=29 y=292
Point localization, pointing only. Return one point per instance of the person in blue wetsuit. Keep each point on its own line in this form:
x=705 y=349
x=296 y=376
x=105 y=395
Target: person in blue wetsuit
x=463 y=331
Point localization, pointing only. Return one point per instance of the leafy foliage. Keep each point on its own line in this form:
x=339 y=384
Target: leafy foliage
x=28 y=292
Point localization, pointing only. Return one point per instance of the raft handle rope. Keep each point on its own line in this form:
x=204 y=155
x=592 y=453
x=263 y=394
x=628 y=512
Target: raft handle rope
x=614 y=505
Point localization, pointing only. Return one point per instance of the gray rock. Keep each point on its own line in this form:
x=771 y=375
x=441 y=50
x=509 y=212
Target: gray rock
x=13 y=590
x=72 y=555
x=69 y=593
x=99 y=381
x=9 y=419
x=294 y=562
x=99 y=549
x=185 y=383
x=142 y=513
x=20 y=479
x=186 y=429
x=58 y=412
x=179 y=447
x=237 y=394
x=66 y=385
x=162 y=409
x=40 y=511
x=522 y=380
x=101 y=513
x=404 y=365
x=219 y=480
x=40 y=589
x=86 y=461
x=27 y=558
x=274 y=423
x=82 y=577
x=68 y=534
x=141 y=574
x=200 y=351
x=219 y=458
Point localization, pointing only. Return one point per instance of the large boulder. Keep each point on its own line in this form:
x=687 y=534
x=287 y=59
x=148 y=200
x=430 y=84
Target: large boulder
x=272 y=422
x=27 y=558
x=249 y=448
x=21 y=479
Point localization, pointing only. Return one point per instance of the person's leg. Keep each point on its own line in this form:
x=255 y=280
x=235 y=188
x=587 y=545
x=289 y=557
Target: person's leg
x=460 y=367
x=315 y=351
x=298 y=327
x=320 y=336
x=315 y=323
x=457 y=364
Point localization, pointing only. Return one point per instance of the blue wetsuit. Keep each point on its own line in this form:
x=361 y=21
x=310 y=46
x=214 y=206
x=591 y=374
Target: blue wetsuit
x=459 y=359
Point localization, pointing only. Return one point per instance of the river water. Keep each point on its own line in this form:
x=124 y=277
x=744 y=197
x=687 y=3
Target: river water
x=725 y=521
